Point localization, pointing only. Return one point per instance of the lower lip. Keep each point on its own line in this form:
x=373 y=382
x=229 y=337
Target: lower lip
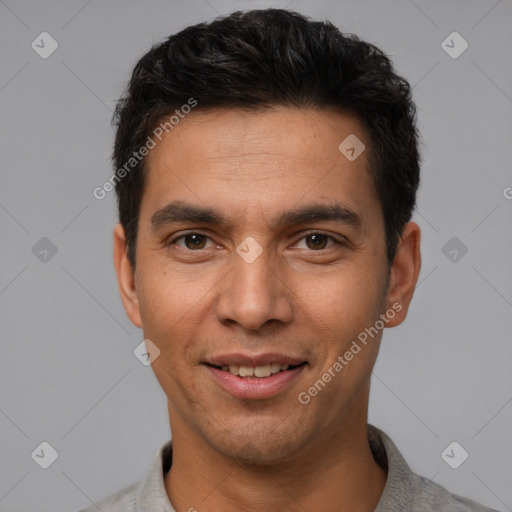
x=254 y=388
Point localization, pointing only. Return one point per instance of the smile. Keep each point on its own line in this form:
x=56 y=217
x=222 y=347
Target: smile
x=256 y=371
x=254 y=377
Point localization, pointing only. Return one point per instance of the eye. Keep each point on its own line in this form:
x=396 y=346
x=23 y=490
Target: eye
x=191 y=241
x=318 y=241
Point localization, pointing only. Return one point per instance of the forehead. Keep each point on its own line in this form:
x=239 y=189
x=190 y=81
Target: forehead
x=259 y=160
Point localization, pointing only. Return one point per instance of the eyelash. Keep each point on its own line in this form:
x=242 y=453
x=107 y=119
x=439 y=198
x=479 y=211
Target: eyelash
x=189 y=233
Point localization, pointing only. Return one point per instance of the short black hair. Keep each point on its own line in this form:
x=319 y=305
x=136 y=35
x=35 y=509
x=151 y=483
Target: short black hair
x=261 y=59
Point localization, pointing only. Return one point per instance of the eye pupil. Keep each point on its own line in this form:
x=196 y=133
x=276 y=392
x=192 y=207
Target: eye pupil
x=314 y=241
x=198 y=241
x=319 y=241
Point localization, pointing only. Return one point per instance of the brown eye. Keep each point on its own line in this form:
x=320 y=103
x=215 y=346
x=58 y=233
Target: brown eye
x=195 y=241
x=191 y=241
x=316 y=241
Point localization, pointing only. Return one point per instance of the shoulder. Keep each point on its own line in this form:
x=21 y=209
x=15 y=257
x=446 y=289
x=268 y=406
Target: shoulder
x=432 y=496
x=406 y=490
x=146 y=495
x=124 y=500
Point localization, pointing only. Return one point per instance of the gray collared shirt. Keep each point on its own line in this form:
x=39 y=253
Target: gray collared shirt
x=404 y=491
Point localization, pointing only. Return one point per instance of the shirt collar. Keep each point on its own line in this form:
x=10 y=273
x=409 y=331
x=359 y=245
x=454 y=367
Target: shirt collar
x=151 y=494
x=401 y=483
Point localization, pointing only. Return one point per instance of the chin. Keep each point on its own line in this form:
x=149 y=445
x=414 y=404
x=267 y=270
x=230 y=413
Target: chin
x=257 y=444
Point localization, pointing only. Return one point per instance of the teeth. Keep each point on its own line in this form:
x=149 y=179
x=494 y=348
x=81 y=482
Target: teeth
x=257 y=371
x=263 y=371
x=246 y=371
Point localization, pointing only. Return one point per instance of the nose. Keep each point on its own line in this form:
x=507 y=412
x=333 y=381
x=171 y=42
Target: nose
x=253 y=294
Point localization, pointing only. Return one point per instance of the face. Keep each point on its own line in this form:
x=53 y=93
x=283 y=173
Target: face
x=261 y=249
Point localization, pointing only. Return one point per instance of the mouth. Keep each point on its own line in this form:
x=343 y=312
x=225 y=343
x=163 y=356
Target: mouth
x=251 y=378
x=256 y=372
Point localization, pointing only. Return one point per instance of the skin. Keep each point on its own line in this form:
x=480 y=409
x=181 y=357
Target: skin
x=295 y=298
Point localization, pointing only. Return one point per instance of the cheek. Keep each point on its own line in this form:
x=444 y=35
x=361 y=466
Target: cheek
x=164 y=298
x=347 y=301
x=165 y=312
x=173 y=305
x=163 y=309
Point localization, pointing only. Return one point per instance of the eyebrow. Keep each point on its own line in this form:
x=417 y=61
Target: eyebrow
x=180 y=211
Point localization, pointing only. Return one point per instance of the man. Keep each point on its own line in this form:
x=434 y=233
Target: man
x=266 y=173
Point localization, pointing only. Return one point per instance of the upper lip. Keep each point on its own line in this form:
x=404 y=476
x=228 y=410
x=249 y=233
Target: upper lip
x=253 y=360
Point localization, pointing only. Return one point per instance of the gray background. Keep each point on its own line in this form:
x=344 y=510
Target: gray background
x=68 y=375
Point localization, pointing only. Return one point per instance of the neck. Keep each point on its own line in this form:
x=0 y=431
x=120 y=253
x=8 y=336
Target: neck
x=335 y=472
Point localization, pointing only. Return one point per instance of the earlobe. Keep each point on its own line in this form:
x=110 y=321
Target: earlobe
x=404 y=273
x=126 y=277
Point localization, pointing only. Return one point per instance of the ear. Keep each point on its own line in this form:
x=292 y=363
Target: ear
x=126 y=277
x=404 y=273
